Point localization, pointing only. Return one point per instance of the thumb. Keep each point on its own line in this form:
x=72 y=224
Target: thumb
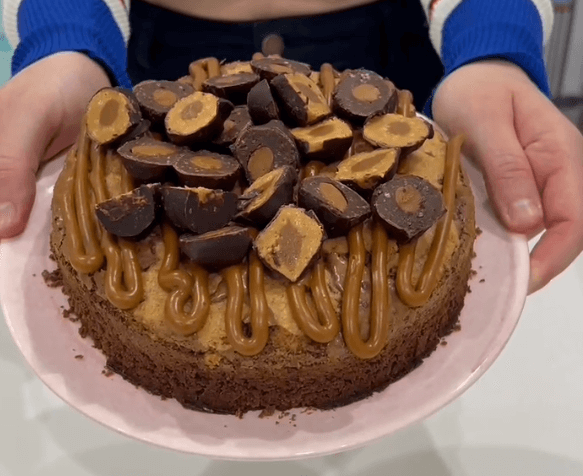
x=28 y=121
x=507 y=171
x=16 y=195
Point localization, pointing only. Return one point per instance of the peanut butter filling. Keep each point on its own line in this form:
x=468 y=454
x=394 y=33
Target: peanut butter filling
x=418 y=294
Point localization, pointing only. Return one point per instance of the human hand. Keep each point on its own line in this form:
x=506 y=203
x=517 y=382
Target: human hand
x=531 y=156
x=40 y=115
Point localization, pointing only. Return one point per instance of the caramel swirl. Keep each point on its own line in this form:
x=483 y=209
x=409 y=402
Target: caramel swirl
x=123 y=275
x=380 y=300
x=405 y=105
x=85 y=253
x=321 y=325
x=183 y=286
x=417 y=295
x=198 y=74
x=327 y=81
x=213 y=67
x=233 y=276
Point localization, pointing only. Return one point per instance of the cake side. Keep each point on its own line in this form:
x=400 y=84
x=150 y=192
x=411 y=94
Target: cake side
x=236 y=261
x=291 y=371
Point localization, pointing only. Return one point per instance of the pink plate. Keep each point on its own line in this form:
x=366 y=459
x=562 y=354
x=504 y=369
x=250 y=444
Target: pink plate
x=49 y=343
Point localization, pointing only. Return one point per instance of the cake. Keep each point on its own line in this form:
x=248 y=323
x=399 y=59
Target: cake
x=258 y=235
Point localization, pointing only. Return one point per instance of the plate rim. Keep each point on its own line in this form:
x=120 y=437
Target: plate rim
x=519 y=245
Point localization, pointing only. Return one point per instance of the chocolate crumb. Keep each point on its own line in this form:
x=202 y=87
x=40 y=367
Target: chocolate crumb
x=239 y=414
x=52 y=257
x=443 y=343
x=482 y=280
x=474 y=254
x=277 y=423
x=478 y=231
x=79 y=357
x=267 y=412
x=469 y=290
x=34 y=275
x=53 y=279
x=457 y=327
x=107 y=372
x=473 y=272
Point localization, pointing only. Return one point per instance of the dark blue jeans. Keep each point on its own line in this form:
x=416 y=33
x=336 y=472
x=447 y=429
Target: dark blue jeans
x=389 y=37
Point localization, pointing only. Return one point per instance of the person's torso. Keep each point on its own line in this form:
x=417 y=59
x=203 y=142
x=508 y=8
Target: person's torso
x=255 y=10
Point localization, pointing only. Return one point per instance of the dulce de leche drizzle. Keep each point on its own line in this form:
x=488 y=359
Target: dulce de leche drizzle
x=259 y=308
x=417 y=295
x=198 y=75
x=321 y=325
x=204 y=69
x=405 y=104
x=183 y=286
x=380 y=299
x=327 y=80
x=85 y=253
x=123 y=274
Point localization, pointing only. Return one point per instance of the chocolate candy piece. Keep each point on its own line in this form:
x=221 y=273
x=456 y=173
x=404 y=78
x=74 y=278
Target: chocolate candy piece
x=361 y=94
x=207 y=169
x=327 y=141
x=219 y=248
x=111 y=114
x=233 y=87
x=261 y=149
x=366 y=170
x=186 y=80
x=262 y=106
x=301 y=98
x=156 y=98
x=148 y=159
x=407 y=206
x=394 y=130
x=290 y=242
x=131 y=213
x=141 y=130
x=236 y=67
x=269 y=68
x=238 y=120
x=359 y=144
x=198 y=209
x=196 y=118
x=338 y=207
x=262 y=200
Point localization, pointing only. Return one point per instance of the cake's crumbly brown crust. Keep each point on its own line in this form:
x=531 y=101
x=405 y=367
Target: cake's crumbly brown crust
x=280 y=377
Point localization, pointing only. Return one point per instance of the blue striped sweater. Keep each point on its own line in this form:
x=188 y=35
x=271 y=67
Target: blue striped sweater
x=461 y=31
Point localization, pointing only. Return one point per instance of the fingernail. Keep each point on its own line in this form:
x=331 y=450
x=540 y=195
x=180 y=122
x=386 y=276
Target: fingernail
x=7 y=215
x=524 y=212
x=534 y=280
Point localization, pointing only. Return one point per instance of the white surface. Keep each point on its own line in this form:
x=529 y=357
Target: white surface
x=524 y=417
x=49 y=344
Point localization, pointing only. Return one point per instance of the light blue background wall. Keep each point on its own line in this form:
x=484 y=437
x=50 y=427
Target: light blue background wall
x=5 y=54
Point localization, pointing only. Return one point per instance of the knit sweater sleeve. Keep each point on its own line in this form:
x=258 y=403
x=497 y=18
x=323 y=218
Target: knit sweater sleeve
x=463 y=31
x=98 y=28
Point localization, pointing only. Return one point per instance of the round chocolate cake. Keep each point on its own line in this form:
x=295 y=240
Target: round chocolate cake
x=259 y=235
